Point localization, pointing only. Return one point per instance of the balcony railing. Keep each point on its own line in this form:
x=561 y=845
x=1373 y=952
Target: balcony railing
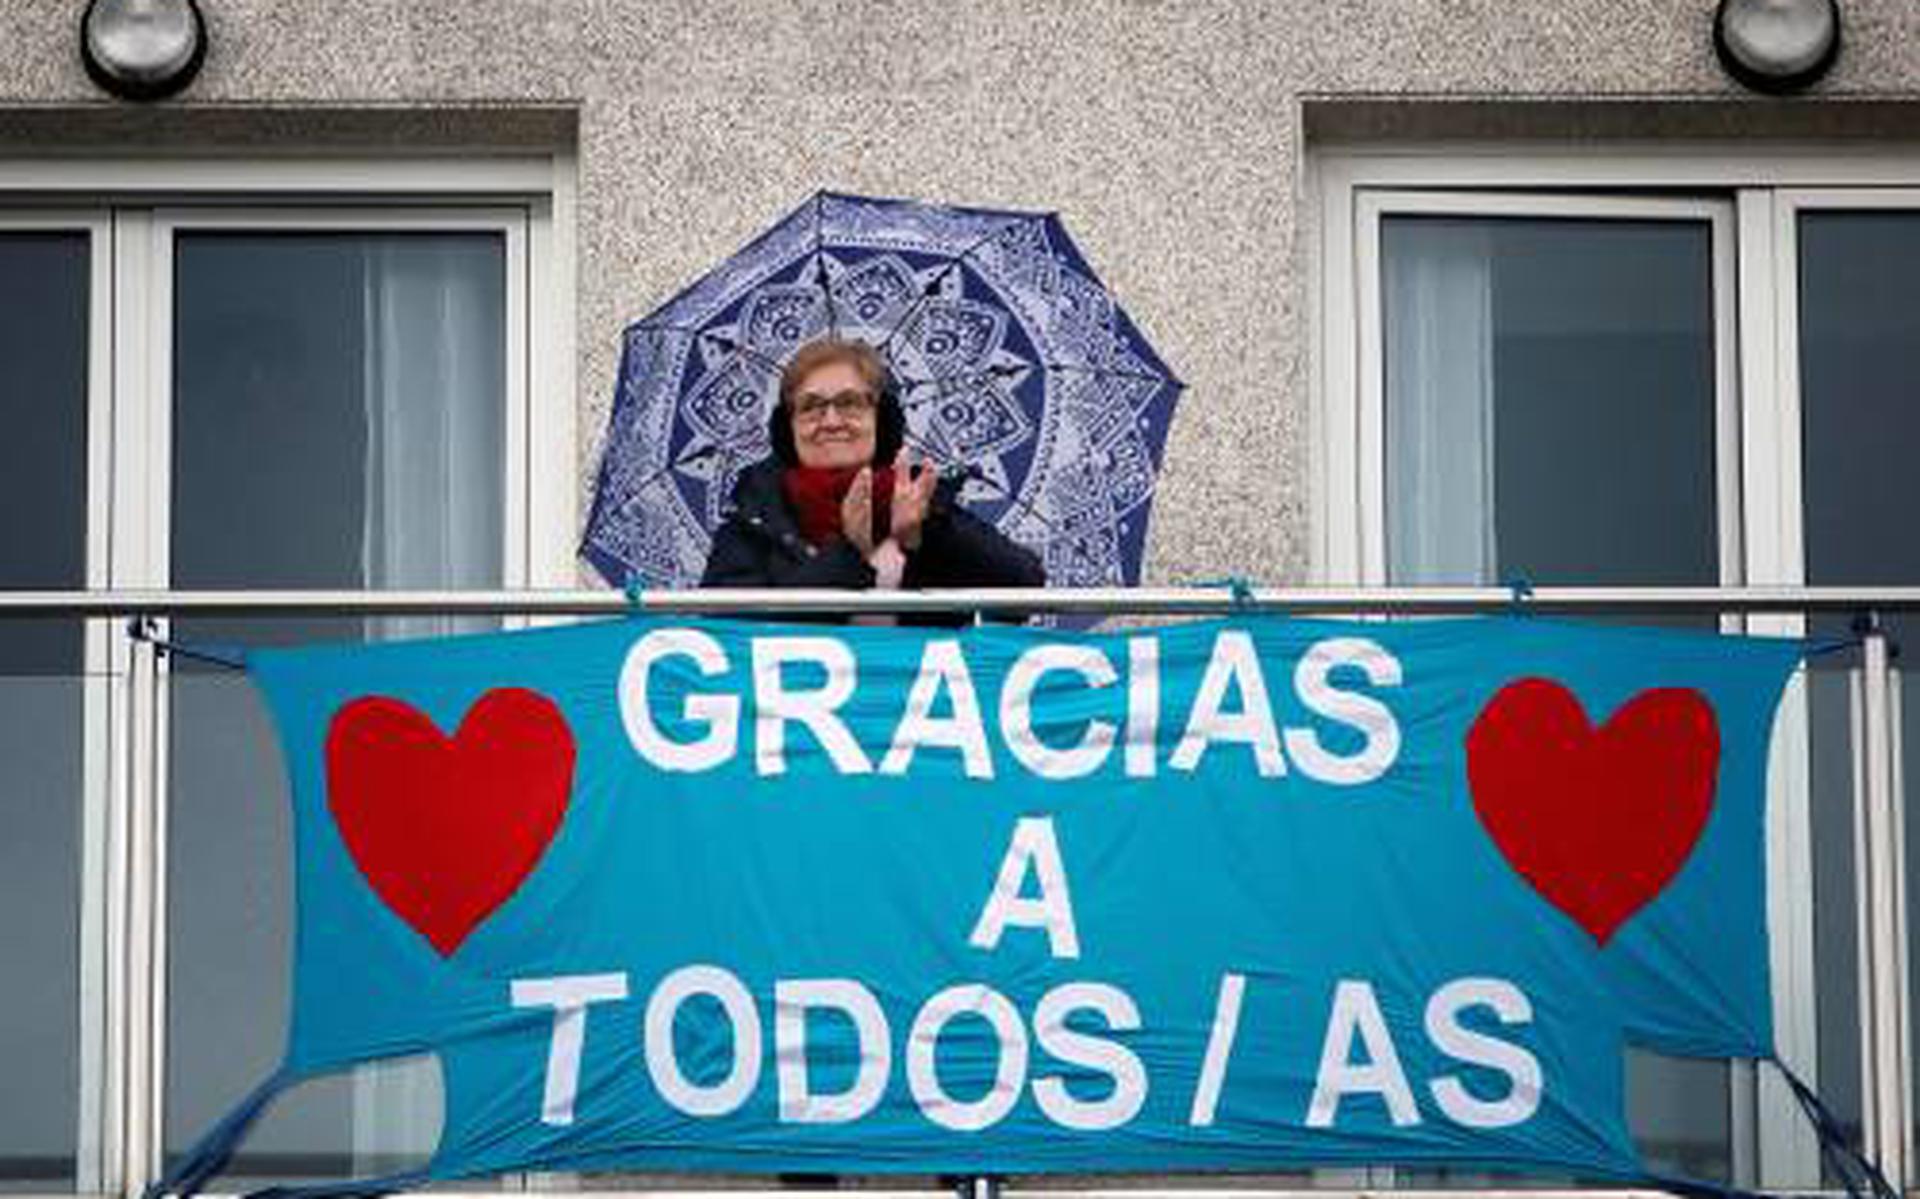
x=1102 y=601
x=125 y=919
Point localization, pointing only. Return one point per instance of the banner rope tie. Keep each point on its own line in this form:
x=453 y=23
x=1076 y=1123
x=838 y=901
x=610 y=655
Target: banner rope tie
x=1859 y=1174
x=1238 y=587
x=1519 y=591
x=1865 y=624
x=144 y=628
x=208 y=1156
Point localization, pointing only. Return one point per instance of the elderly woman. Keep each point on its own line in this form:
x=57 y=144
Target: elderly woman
x=839 y=504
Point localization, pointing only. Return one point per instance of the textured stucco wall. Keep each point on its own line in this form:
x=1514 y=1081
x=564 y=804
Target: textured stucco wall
x=1169 y=134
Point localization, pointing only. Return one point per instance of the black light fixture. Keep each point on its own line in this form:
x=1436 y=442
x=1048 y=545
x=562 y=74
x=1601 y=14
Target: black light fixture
x=1777 y=45
x=143 y=49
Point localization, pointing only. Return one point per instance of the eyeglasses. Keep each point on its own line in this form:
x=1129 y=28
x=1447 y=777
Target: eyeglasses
x=810 y=407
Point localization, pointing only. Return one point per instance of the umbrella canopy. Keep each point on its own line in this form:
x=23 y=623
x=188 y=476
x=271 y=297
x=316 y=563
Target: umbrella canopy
x=1015 y=367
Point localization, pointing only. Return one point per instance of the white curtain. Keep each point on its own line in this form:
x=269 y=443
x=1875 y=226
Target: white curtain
x=433 y=389
x=1437 y=290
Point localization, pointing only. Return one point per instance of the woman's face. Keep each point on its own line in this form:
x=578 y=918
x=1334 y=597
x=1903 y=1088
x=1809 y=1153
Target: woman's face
x=834 y=417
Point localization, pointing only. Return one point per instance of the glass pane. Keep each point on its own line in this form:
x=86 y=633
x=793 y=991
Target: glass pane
x=43 y=457
x=43 y=510
x=1860 y=424
x=1550 y=415
x=1549 y=401
x=1860 y=414
x=339 y=415
x=1832 y=683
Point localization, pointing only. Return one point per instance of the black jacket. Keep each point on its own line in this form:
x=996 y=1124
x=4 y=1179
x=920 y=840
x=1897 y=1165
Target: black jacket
x=760 y=546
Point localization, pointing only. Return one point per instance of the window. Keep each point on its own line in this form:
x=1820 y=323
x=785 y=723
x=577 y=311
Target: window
x=1634 y=371
x=1550 y=403
x=339 y=420
x=51 y=397
x=1856 y=339
x=1551 y=394
x=257 y=384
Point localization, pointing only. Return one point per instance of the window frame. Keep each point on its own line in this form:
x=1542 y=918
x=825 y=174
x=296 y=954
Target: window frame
x=1886 y=997
x=97 y=693
x=1359 y=518
x=1766 y=189
x=1351 y=523
x=132 y=208
x=149 y=516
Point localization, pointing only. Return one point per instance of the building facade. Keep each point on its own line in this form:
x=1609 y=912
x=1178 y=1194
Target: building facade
x=1462 y=290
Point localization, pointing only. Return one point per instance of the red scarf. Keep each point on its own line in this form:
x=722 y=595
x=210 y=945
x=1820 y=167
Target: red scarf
x=815 y=494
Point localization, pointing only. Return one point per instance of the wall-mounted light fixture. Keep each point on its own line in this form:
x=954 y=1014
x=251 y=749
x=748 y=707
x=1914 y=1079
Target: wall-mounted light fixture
x=143 y=49
x=1777 y=45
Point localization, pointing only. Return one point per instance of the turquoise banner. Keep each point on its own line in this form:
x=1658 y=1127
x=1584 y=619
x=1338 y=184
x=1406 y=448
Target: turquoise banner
x=1244 y=895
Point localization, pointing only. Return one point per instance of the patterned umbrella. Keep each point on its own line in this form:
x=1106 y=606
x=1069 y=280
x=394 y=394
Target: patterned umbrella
x=1015 y=366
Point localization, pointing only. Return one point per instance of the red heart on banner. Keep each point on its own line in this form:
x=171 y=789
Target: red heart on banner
x=1598 y=821
x=445 y=829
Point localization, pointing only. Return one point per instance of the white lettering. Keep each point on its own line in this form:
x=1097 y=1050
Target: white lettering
x=1009 y=1075
x=1232 y=664
x=569 y=995
x=1375 y=721
x=663 y=1062
x=941 y=663
x=1032 y=846
x=718 y=714
x=1117 y=1008
x=1450 y=1037
x=1355 y=1010
x=792 y=999
x=1143 y=706
x=1213 y=1068
x=1016 y=711
x=809 y=681
x=775 y=706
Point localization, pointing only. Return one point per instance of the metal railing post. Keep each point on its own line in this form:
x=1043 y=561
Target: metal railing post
x=1883 y=946
x=115 y=1167
x=139 y=1093
x=1897 y=750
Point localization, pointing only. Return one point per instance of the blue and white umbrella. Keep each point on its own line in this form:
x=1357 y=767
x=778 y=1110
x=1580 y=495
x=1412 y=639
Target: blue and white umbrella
x=1015 y=366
